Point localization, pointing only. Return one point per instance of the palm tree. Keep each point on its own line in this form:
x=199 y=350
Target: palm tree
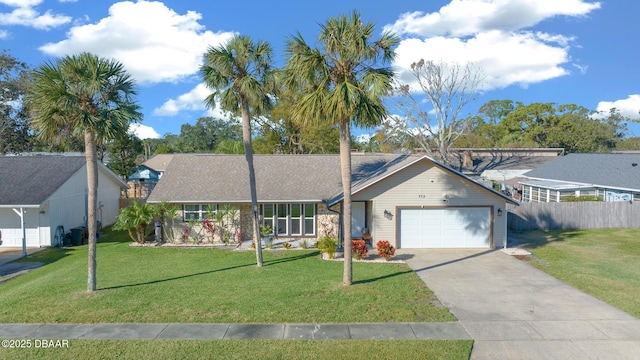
x=91 y=97
x=341 y=84
x=241 y=77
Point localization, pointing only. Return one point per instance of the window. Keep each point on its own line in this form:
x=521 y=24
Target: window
x=290 y=219
x=282 y=219
x=267 y=216
x=198 y=211
x=309 y=219
x=296 y=219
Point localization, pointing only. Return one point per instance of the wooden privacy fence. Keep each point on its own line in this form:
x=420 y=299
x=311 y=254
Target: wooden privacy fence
x=574 y=215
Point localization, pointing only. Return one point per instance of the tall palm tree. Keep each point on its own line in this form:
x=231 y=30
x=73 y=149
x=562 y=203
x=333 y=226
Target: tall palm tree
x=241 y=77
x=92 y=97
x=342 y=84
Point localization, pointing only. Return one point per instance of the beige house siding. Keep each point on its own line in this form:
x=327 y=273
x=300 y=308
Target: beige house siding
x=426 y=185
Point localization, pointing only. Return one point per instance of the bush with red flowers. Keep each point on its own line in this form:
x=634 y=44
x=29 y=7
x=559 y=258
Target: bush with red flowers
x=359 y=248
x=385 y=249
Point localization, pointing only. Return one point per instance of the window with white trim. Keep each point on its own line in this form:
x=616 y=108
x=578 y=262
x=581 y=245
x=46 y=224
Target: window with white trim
x=289 y=219
x=198 y=211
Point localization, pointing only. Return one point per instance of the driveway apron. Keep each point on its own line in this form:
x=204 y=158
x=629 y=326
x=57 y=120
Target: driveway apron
x=515 y=311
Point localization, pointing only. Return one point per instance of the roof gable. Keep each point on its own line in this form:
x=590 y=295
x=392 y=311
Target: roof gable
x=606 y=170
x=393 y=168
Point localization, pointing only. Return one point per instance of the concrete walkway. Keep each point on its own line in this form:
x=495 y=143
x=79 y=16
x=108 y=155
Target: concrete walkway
x=514 y=311
x=357 y=331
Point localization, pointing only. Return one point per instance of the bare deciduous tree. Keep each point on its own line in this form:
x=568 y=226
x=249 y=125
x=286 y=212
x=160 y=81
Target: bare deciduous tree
x=448 y=88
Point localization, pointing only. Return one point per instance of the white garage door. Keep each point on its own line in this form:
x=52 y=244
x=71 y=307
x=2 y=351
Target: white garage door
x=445 y=228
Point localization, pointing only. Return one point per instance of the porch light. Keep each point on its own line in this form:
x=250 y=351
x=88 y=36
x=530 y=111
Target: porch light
x=388 y=214
x=499 y=212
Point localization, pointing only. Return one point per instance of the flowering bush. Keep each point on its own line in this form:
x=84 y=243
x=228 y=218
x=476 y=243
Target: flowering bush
x=359 y=248
x=286 y=245
x=385 y=249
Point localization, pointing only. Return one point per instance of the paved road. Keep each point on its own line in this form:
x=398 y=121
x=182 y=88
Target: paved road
x=514 y=311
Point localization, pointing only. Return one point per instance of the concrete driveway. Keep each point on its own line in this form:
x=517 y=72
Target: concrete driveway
x=514 y=311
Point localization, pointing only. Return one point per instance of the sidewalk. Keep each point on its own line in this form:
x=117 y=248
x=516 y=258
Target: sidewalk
x=356 y=331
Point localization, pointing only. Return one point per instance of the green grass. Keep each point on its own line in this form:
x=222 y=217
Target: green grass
x=243 y=349
x=148 y=285
x=604 y=263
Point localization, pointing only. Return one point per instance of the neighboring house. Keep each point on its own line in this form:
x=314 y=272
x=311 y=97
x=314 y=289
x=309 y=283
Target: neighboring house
x=142 y=182
x=611 y=177
x=50 y=191
x=159 y=163
x=412 y=201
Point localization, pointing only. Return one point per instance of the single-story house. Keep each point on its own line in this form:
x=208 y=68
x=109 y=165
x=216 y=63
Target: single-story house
x=410 y=200
x=50 y=191
x=611 y=177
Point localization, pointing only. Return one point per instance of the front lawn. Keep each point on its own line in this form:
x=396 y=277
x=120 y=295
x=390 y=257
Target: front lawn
x=249 y=349
x=604 y=263
x=157 y=285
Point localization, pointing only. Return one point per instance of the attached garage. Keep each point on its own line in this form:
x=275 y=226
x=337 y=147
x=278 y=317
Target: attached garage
x=459 y=227
x=416 y=202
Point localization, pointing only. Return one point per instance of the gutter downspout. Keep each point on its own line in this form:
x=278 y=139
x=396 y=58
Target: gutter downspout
x=24 y=231
x=506 y=221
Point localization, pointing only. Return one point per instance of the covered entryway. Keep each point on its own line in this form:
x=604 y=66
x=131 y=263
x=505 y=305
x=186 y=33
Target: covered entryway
x=457 y=227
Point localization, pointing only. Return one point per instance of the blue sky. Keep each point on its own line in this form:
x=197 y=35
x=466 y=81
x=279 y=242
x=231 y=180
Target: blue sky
x=564 y=51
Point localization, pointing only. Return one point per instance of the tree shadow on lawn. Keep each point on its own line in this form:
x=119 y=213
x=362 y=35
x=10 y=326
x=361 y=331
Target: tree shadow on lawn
x=540 y=238
x=264 y=263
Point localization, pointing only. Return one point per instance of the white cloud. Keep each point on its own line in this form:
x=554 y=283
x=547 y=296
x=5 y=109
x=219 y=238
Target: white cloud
x=143 y=131
x=629 y=107
x=490 y=34
x=468 y=17
x=190 y=101
x=25 y=14
x=152 y=41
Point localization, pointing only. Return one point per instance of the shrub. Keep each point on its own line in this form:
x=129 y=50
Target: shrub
x=286 y=245
x=303 y=244
x=134 y=219
x=573 y=198
x=359 y=249
x=385 y=249
x=328 y=245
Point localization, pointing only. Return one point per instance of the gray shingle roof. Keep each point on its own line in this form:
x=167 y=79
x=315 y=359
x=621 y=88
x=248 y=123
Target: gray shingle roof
x=212 y=178
x=215 y=178
x=607 y=170
x=159 y=162
x=30 y=180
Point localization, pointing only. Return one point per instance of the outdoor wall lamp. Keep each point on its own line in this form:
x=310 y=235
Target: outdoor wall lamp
x=388 y=214
x=499 y=212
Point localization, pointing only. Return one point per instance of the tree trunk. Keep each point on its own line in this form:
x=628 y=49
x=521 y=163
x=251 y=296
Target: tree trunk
x=92 y=202
x=345 y=168
x=248 y=154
